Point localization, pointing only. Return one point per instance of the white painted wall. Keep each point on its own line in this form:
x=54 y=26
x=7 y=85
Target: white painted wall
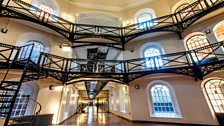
x=68 y=104
x=192 y=103
x=19 y=33
x=117 y=111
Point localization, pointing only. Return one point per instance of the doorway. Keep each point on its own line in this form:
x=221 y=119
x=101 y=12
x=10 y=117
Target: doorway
x=214 y=89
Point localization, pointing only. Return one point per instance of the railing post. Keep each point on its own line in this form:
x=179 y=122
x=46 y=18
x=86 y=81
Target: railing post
x=189 y=64
x=18 y=88
x=196 y=68
x=126 y=71
x=206 y=3
x=154 y=61
x=17 y=54
x=65 y=72
x=179 y=25
x=38 y=65
x=6 y=3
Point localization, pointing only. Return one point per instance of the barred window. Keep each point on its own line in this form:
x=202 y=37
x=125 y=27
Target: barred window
x=144 y=18
x=198 y=41
x=45 y=11
x=183 y=12
x=37 y=49
x=219 y=31
x=19 y=108
x=153 y=62
x=215 y=91
x=161 y=98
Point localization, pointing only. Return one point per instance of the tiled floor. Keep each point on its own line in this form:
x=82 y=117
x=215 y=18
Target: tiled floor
x=104 y=119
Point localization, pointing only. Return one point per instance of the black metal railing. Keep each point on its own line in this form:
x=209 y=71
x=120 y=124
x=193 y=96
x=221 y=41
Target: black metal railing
x=175 y=22
x=67 y=66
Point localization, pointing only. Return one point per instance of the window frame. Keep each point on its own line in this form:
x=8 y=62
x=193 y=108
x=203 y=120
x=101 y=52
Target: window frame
x=176 y=114
x=185 y=13
x=148 y=23
x=156 y=60
x=43 y=12
x=198 y=57
x=216 y=27
x=35 y=42
x=218 y=96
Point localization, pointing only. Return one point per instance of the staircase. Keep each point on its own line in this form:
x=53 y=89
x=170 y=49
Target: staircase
x=9 y=89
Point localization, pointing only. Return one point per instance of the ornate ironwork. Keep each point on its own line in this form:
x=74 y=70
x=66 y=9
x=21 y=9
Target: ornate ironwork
x=121 y=35
x=68 y=70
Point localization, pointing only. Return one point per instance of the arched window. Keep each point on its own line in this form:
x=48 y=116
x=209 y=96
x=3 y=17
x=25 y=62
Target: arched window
x=153 y=61
x=198 y=40
x=163 y=100
x=20 y=105
x=215 y=92
x=37 y=49
x=45 y=11
x=144 y=18
x=122 y=99
x=183 y=12
x=219 y=31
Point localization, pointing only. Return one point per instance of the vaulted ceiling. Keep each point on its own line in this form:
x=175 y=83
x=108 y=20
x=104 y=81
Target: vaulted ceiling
x=117 y=5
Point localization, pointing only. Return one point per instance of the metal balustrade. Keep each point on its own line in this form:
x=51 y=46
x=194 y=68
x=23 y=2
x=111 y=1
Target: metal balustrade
x=71 y=70
x=175 y=22
x=67 y=69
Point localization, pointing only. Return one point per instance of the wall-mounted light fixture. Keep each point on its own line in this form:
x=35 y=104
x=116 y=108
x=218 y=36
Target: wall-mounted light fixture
x=131 y=50
x=65 y=47
x=137 y=86
x=5 y=29
x=208 y=31
x=51 y=87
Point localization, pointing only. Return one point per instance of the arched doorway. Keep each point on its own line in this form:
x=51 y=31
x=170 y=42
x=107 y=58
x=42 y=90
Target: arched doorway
x=214 y=91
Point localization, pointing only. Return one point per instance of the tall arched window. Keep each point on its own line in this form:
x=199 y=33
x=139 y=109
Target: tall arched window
x=144 y=18
x=198 y=40
x=215 y=91
x=183 y=12
x=45 y=11
x=219 y=31
x=163 y=100
x=37 y=49
x=151 y=60
x=122 y=99
x=20 y=105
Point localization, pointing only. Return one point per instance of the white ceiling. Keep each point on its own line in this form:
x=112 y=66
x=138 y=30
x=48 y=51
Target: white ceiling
x=110 y=5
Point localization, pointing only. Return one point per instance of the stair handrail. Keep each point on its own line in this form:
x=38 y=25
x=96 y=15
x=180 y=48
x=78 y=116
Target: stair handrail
x=36 y=103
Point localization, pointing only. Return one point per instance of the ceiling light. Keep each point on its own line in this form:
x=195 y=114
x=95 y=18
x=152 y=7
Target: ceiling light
x=66 y=47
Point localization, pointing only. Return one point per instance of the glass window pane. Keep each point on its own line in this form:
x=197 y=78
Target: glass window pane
x=215 y=91
x=155 y=61
x=161 y=99
x=198 y=41
x=37 y=49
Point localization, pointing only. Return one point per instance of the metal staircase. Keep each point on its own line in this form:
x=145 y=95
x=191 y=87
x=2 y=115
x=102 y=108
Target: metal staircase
x=9 y=89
